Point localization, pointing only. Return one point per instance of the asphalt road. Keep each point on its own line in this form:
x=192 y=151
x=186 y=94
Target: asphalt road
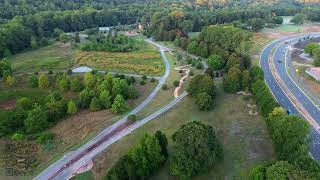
x=68 y=164
x=286 y=91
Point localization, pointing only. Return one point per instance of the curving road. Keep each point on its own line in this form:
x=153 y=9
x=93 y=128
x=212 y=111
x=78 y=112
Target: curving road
x=65 y=167
x=274 y=62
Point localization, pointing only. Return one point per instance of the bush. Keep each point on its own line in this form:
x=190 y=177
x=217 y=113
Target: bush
x=164 y=87
x=204 y=101
x=75 y=85
x=63 y=84
x=43 y=81
x=142 y=82
x=24 y=103
x=176 y=83
x=69 y=72
x=95 y=104
x=33 y=81
x=37 y=120
x=72 y=108
x=11 y=81
x=17 y=137
x=119 y=105
x=50 y=72
x=199 y=65
x=191 y=73
x=45 y=138
x=144 y=77
x=132 y=117
x=152 y=80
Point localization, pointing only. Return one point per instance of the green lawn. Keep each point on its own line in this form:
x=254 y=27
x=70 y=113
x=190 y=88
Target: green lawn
x=84 y=176
x=245 y=139
x=57 y=56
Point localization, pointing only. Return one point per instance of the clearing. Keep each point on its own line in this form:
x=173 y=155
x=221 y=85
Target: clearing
x=245 y=138
x=144 y=61
x=57 y=56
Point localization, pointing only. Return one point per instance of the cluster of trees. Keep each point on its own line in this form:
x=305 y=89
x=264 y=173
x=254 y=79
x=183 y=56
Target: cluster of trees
x=96 y=92
x=202 y=88
x=289 y=135
x=141 y=160
x=196 y=150
x=313 y=49
x=110 y=43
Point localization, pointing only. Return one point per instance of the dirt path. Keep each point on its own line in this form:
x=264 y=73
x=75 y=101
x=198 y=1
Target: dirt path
x=182 y=80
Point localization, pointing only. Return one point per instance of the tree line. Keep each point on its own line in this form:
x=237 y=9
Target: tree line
x=289 y=134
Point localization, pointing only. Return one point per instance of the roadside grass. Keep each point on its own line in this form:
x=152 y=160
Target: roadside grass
x=245 y=139
x=57 y=56
x=84 y=176
x=259 y=41
x=32 y=93
x=147 y=60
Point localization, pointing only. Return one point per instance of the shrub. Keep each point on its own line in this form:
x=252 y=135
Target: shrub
x=191 y=73
x=164 y=87
x=95 y=104
x=119 y=105
x=69 y=71
x=24 y=103
x=142 y=82
x=199 y=65
x=11 y=81
x=63 y=84
x=43 y=81
x=45 y=137
x=72 y=108
x=132 y=117
x=176 y=83
x=144 y=77
x=152 y=80
x=204 y=101
x=50 y=72
x=36 y=120
x=17 y=137
x=75 y=85
x=105 y=99
x=33 y=81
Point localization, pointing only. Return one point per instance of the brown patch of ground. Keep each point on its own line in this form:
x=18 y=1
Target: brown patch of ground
x=8 y=104
x=312 y=28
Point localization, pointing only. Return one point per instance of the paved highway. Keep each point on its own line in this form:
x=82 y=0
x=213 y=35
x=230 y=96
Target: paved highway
x=67 y=165
x=285 y=89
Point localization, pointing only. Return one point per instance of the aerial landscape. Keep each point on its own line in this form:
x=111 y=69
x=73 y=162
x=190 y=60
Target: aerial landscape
x=159 y=89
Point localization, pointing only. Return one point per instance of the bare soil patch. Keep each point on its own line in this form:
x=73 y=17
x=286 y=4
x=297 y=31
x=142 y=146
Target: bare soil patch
x=8 y=104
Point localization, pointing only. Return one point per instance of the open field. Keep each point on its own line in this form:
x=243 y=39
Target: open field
x=245 y=139
x=57 y=56
x=147 y=61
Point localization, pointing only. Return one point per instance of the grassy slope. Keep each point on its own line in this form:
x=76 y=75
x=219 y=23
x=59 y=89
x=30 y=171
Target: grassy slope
x=244 y=137
x=57 y=56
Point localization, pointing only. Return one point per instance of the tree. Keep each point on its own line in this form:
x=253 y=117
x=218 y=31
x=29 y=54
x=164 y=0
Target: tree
x=216 y=62
x=95 y=104
x=33 y=43
x=43 y=81
x=299 y=18
x=72 y=108
x=280 y=170
x=310 y=47
x=63 y=84
x=36 y=120
x=77 y=37
x=139 y=163
x=197 y=149
x=204 y=101
x=163 y=142
x=256 y=24
x=245 y=80
x=5 y=66
x=105 y=99
x=63 y=37
x=232 y=80
x=24 y=103
x=176 y=83
x=119 y=86
x=119 y=105
x=11 y=81
x=33 y=81
x=199 y=84
x=75 y=85
x=89 y=80
x=85 y=97
x=256 y=73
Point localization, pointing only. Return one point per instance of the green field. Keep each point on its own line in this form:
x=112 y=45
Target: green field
x=57 y=56
x=245 y=139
